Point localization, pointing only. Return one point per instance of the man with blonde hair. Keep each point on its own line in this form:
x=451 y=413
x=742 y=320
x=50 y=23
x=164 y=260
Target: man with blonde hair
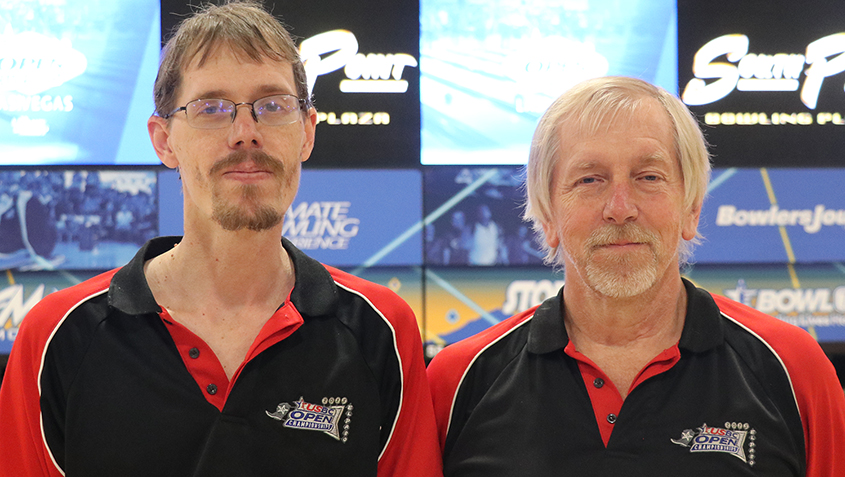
x=227 y=351
x=631 y=369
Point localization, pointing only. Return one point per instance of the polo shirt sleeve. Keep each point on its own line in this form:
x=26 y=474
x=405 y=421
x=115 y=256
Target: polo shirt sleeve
x=444 y=376
x=448 y=369
x=412 y=448
x=23 y=450
x=818 y=393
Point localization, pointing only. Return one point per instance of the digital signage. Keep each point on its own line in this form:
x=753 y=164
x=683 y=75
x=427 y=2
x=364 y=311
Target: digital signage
x=461 y=302
x=361 y=60
x=363 y=217
x=490 y=69
x=19 y=292
x=773 y=215
x=76 y=81
x=765 y=79
x=75 y=219
x=341 y=217
x=473 y=217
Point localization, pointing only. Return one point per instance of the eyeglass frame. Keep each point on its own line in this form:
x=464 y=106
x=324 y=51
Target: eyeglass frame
x=303 y=103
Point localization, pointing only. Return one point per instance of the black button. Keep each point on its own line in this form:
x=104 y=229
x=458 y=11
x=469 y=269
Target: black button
x=598 y=382
x=194 y=353
x=611 y=418
x=212 y=389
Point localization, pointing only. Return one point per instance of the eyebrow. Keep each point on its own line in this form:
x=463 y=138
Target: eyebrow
x=655 y=157
x=589 y=164
x=260 y=92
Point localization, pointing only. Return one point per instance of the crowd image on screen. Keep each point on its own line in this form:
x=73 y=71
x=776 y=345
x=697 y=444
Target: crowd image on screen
x=55 y=219
x=484 y=228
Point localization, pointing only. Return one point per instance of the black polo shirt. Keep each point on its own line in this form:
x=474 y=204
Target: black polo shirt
x=742 y=393
x=102 y=382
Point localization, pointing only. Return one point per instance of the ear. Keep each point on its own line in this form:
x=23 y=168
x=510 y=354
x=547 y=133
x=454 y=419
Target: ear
x=550 y=234
x=690 y=228
x=310 y=126
x=160 y=135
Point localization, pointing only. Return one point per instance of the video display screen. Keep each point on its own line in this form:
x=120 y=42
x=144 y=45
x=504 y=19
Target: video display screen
x=766 y=80
x=473 y=218
x=489 y=69
x=361 y=60
x=76 y=81
x=777 y=215
x=75 y=219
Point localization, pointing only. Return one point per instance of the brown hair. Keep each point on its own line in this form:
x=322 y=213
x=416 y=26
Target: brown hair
x=242 y=25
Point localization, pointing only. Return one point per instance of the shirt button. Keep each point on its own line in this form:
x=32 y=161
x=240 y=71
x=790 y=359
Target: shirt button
x=194 y=353
x=611 y=418
x=598 y=382
x=212 y=389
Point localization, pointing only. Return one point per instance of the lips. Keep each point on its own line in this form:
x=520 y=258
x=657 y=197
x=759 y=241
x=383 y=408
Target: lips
x=248 y=163
x=615 y=236
x=247 y=168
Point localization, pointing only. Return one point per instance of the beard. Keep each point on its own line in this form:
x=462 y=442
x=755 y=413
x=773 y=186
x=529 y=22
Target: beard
x=622 y=275
x=250 y=212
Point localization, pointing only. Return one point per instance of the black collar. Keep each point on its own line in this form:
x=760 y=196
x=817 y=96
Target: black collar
x=702 y=326
x=314 y=292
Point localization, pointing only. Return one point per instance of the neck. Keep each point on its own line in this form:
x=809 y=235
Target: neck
x=223 y=268
x=654 y=318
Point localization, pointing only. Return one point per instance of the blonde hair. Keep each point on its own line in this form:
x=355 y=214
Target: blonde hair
x=589 y=105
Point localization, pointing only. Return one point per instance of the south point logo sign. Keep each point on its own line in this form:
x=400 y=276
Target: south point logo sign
x=365 y=73
x=745 y=71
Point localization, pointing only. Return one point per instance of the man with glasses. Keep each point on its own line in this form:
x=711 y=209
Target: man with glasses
x=226 y=351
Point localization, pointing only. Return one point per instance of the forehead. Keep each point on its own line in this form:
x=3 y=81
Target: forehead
x=226 y=70
x=644 y=129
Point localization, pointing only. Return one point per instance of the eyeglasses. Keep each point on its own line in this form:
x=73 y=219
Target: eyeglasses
x=275 y=110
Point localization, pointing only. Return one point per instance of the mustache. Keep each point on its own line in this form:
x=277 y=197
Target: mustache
x=259 y=158
x=629 y=232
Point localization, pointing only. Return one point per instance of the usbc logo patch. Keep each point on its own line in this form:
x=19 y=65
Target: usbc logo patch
x=731 y=440
x=332 y=417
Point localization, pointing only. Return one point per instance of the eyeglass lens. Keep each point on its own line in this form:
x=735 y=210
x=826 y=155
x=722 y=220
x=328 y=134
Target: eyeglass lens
x=219 y=113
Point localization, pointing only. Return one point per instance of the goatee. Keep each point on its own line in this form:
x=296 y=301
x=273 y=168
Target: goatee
x=623 y=275
x=249 y=212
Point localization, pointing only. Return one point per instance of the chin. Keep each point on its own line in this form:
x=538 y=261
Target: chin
x=622 y=280
x=616 y=287
x=234 y=218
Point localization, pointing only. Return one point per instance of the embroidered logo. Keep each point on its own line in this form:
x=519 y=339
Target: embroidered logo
x=332 y=417
x=731 y=440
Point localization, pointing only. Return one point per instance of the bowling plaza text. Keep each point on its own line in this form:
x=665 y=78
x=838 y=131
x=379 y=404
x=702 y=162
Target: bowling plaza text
x=773 y=119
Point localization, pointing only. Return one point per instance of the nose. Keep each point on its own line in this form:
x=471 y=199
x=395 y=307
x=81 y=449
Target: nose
x=244 y=131
x=620 y=207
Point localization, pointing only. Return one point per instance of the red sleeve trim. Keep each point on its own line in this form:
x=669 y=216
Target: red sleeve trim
x=23 y=449
x=411 y=449
x=448 y=369
x=818 y=394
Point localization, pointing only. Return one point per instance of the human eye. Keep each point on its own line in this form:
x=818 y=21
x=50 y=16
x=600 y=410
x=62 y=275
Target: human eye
x=279 y=104
x=652 y=175
x=211 y=107
x=587 y=180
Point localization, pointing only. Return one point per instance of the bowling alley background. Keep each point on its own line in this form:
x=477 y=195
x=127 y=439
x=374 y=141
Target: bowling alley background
x=426 y=111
